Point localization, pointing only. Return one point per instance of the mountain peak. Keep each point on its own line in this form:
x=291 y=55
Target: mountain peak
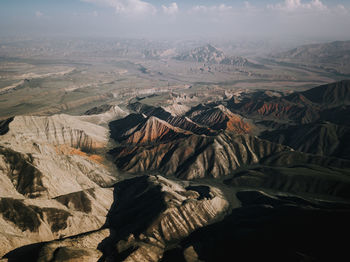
x=155 y=130
x=221 y=118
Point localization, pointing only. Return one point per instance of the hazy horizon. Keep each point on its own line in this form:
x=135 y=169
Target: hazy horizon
x=305 y=20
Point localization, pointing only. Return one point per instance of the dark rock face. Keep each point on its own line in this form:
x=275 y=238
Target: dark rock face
x=56 y=218
x=322 y=138
x=24 y=217
x=4 y=125
x=298 y=179
x=98 y=110
x=25 y=177
x=120 y=127
x=338 y=115
x=128 y=209
x=31 y=217
x=79 y=200
x=330 y=95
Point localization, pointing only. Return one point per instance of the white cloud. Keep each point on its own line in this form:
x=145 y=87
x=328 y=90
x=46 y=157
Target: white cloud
x=248 y=5
x=171 y=10
x=294 y=5
x=318 y=4
x=38 y=14
x=211 y=9
x=127 y=7
x=341 y=9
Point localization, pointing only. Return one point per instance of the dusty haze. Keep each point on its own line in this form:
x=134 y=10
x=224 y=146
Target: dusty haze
x=268 y=19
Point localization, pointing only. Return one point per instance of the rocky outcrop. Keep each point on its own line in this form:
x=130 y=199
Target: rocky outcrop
x=177 y=109
x=204 y=54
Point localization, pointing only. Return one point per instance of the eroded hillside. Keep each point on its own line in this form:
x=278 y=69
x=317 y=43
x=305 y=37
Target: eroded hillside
x=243 y=171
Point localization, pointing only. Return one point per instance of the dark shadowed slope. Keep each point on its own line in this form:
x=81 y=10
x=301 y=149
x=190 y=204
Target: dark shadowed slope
x=330 y=95
x=271 y=228
x=323 y=138
x=299 y=107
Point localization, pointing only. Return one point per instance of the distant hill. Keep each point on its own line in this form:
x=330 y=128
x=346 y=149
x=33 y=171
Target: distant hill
x=334 y=56
x=212 y=55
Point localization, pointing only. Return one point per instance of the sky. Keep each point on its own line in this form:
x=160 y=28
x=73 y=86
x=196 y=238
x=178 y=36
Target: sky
x=231 y=19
